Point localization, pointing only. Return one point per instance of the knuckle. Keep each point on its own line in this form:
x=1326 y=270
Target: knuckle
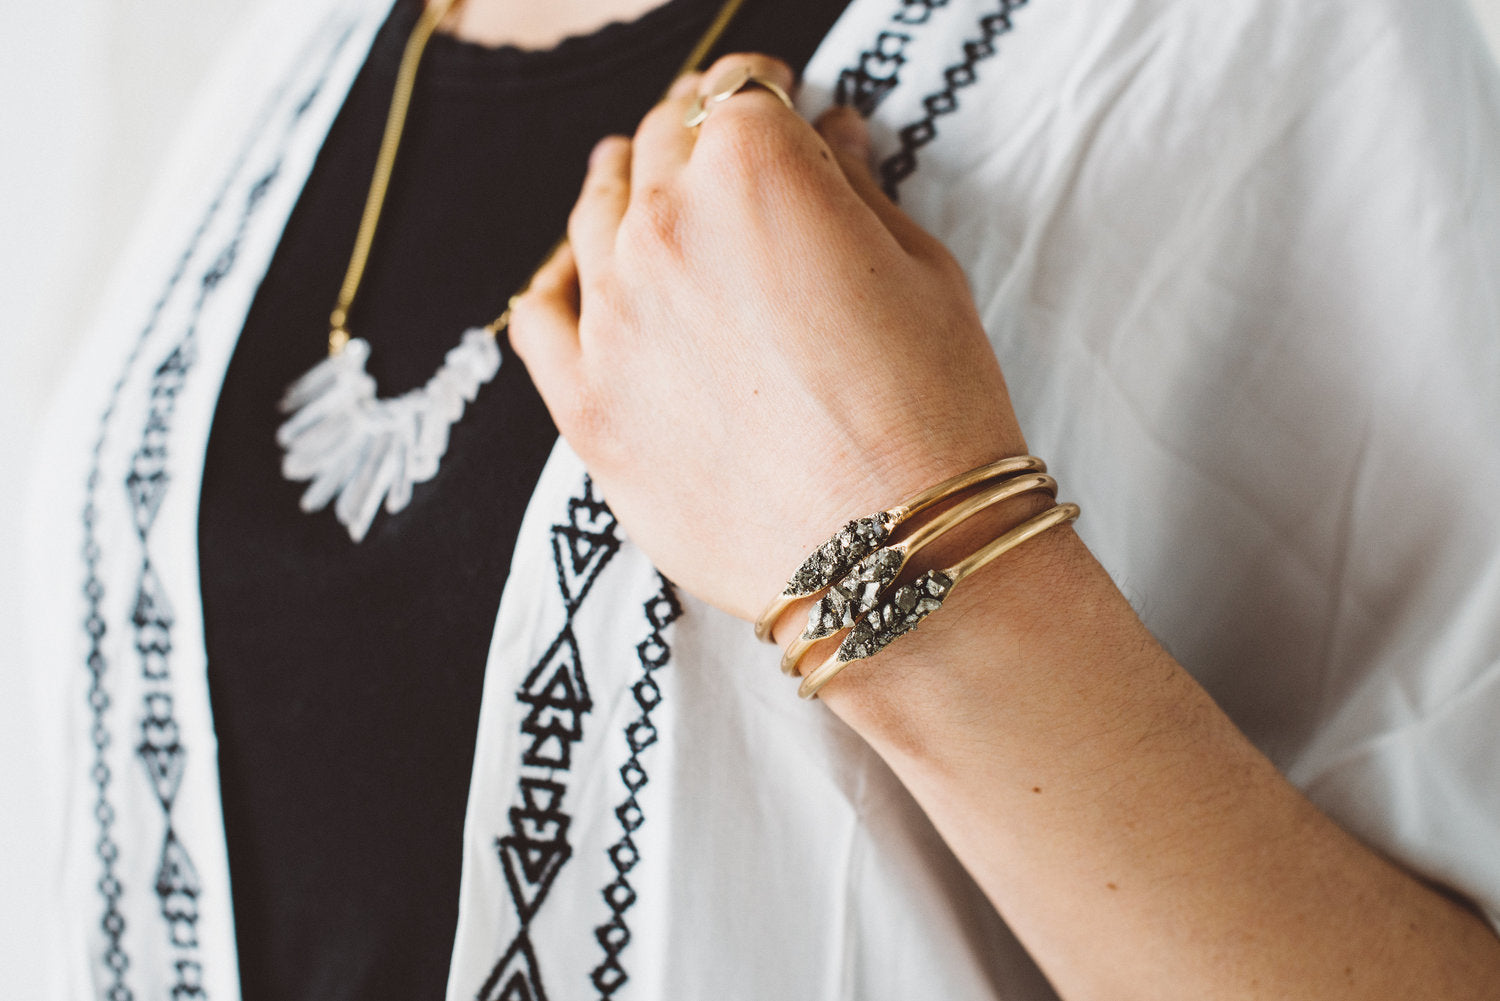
x=662 y=116
x=523 y=309
x=584 y=418
x=523 y=323
x=597 y=192
x=655 y=222
x=949 y=269
x=578 y=217
x=758 y=63
x=751 y=143
x=600 y=189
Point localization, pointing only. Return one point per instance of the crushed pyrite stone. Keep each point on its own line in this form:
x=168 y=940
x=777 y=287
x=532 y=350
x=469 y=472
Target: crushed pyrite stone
x=835 y=557
x=901 y=614
x=854 y=595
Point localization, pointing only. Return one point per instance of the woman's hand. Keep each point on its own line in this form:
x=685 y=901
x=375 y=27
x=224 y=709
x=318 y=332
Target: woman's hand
x=748 y=344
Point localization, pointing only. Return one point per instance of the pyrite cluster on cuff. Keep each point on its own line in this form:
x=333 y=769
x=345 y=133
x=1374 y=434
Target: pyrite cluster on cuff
x=857 y=569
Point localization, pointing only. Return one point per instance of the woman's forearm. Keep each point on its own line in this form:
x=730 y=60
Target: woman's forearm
x=748 y=344
x=1134 y=839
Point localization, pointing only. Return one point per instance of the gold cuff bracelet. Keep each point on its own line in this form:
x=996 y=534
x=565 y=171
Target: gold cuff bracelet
x=858 y=592
x=856 y=540
x=913 y=602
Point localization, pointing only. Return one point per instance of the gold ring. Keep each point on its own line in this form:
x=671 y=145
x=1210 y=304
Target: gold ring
x=727 y=86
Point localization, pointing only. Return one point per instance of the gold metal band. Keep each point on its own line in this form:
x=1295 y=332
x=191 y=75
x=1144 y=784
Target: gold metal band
x=825 y=672
x=727 y=86
x=893 y=518
x=944 y=521
x=390 y=142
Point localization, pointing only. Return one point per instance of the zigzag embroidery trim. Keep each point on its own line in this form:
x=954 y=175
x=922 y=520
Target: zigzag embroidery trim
x=900 y=165
x=661 y=610
x=877 y=70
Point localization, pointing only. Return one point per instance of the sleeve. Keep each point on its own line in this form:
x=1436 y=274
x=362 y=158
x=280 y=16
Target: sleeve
x=1239 y=264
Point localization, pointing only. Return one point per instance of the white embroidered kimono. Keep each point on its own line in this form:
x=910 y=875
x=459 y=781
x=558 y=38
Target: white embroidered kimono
x=1239 y=262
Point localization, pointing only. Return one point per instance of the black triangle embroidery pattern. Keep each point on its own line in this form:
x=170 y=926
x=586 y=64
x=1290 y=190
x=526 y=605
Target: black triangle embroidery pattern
x=535 y=850
x=145 y=485
x=558 y=695
x=555 y=697
x=178 y=888
x=582 y=546
x=152 y=617
x=515 y=976
x=160 y=750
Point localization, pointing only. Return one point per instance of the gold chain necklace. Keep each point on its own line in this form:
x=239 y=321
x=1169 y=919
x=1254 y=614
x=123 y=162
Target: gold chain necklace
x=362 y=452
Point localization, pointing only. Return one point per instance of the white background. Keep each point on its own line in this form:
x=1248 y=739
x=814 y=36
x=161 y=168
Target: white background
x=92 y=91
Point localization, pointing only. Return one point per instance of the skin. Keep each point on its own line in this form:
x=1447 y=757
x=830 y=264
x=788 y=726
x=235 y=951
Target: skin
x=747 y=344
x=527 y=24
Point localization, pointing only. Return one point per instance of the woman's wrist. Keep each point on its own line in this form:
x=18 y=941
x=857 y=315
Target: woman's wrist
x=1045 y=602
x=1133 y=838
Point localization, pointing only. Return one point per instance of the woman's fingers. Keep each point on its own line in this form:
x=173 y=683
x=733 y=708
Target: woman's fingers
x=544 y=329
x=749 y=80
x=848 y=136
x=729 y=91
x=601 y=205
x=662 y=143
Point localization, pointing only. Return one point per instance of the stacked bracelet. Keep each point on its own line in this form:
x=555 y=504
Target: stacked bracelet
x=862 y=536
x=858 y=592
x=860 y=563
x=915 y=601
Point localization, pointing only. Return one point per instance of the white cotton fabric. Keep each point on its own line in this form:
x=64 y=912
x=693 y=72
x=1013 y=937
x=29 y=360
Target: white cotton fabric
x=1238 y=260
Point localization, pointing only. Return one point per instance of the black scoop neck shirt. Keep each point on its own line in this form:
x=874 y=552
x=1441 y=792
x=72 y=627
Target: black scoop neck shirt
x=345 y=678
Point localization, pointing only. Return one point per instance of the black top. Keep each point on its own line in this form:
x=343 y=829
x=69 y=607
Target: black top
x=345 y=679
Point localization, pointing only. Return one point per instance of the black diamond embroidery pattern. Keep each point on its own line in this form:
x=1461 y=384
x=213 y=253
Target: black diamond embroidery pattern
x=661 y=610
x=161 y=752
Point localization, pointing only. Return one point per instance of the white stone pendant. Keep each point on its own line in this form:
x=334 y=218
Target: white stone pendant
x=359 y=450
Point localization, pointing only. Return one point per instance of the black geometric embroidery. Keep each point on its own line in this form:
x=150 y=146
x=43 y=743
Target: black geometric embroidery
x=662 y=609
x=514 y=977
x=152 y=617
x=878 y=70
x=900 y=165
x=259 y=189
x=556 y=692
x=864 y=85
x=189 y=984
x=917 y=11
x=146 y=484
x=535 y=850
x=160 y=750
x=178 y=887
x=581 y=547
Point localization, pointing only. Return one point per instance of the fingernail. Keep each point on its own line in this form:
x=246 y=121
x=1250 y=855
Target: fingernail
x=685 y=84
